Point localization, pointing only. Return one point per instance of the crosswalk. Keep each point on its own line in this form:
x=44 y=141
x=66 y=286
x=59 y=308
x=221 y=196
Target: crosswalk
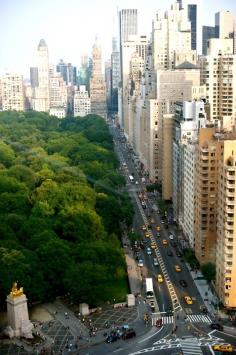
x=190 y=346
x=193 y=318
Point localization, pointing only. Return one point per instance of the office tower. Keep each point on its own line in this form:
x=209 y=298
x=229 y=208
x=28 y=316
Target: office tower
x=108 y=83
x=97 y=84
x=12 y=93
x=180 y=4
x=34 y=81
x=207 y=33
x=68 y=72
x=192 y=16
x=58 y=96
x=115 y=74
x=188 y=118
x=41 y=100
x=218 y=73
x=128 y=23
x=224 y=24
x=84 y=72
x=82 y=103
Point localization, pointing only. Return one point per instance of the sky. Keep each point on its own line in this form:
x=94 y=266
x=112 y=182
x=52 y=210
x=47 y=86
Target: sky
x=69 y=27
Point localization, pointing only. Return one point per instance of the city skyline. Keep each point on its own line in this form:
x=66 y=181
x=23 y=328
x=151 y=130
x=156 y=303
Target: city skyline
x=65 y=34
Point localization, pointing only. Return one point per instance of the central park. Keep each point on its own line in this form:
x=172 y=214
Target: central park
x=61 y=206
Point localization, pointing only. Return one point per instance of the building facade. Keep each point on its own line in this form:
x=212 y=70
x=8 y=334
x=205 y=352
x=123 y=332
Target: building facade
x=82 y=104
x=97 y=84
x=12 y=92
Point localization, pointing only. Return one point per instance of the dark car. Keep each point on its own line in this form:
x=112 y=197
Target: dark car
x=217 y=326
x=183 y=283
x=169 y=253
x=111 y=338
x=130 y=333
x=179 y=254
x=204 y=310
x=174 y=244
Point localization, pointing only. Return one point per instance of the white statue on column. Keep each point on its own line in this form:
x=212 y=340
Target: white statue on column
x=17 y=314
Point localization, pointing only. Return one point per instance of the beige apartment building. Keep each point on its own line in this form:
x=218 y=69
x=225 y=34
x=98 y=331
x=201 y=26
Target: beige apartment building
x=226 y=221
x=215 y=217
x=12 y=92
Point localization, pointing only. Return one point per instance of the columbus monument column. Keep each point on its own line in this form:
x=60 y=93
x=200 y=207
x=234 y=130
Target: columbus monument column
x=17 y=314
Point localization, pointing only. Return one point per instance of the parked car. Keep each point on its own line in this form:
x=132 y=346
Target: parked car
x=217 y=326
x=111 y=338
x=179 y=254
x=130 y=333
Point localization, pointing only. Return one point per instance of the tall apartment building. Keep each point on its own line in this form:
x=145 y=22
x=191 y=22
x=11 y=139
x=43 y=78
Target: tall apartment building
x=41 y=100
x=208 y=155
x=58 y=96
x=226 y=234
x=180 y=84
x=12 y=92
x=218 y=73
x=188 y=118
x=97 y=84
x=215 y=208
x=82 y=104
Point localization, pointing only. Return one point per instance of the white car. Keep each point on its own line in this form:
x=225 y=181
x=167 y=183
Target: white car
x=140 y=263
x=171 y=236
x=155 y=262
x=149 y=252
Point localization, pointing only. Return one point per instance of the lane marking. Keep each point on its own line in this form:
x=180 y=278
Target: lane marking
x=141 y=341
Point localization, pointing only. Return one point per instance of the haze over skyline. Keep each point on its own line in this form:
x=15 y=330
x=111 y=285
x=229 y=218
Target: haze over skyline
x=70 y=27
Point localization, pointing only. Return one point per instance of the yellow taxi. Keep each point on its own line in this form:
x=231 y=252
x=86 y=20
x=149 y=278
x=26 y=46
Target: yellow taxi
x=153 y=245
x=188 y=300
x=178 y=268
x=147 y=235
x=224 y=348
x=160 y=278
x=164 y=242
x=158 y=228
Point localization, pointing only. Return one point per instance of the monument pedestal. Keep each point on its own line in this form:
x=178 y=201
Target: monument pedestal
x=18 y=317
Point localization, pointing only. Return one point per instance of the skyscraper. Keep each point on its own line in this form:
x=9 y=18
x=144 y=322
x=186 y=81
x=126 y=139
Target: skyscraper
x=97 y=84
x=224 y=24
x=68 y=72
x=41 y=100
x=128 y=23
x=207 y=33
x=192 y=16
x=34 y=81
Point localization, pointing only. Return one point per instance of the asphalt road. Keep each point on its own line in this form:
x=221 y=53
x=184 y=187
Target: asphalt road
x=193 y=334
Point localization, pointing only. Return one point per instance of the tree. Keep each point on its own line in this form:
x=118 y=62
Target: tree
x=209 y=271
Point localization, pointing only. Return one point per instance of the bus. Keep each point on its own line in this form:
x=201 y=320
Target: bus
x=149 y=288
x=131 y=178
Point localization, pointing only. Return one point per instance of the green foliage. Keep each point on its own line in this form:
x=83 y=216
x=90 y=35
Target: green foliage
x=209 y=271
x=191 y=258
x=60 y=208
